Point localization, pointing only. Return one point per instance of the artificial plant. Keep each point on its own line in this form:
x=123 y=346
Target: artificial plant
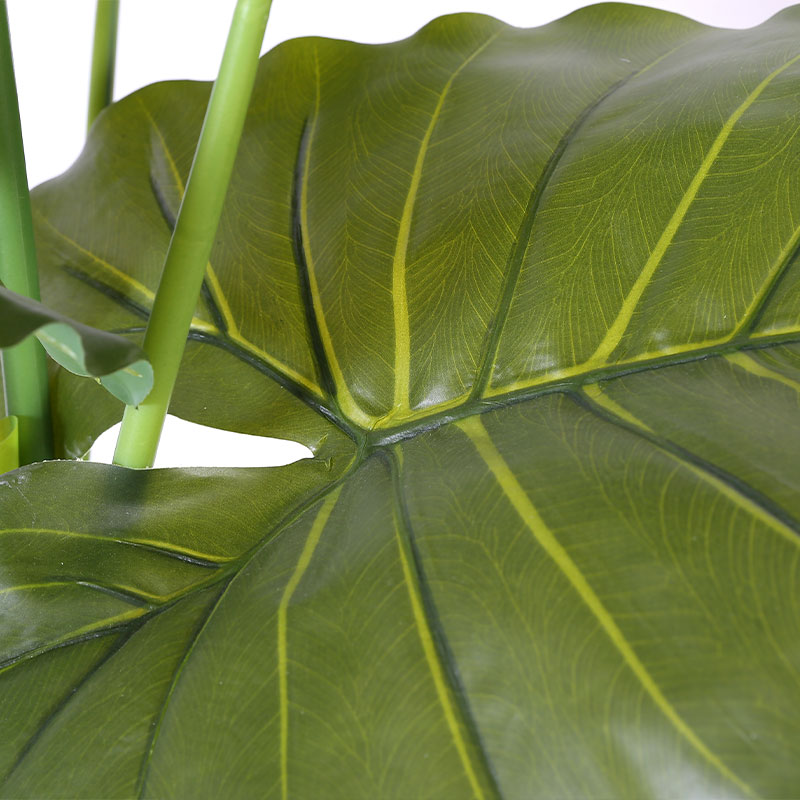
x=532 y=299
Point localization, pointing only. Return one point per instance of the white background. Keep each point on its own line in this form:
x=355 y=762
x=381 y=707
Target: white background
x=170 y=39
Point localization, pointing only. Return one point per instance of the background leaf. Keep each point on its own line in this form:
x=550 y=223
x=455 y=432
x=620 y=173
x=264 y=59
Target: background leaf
x=9 y=444
x=531 y=297
x=120 y=365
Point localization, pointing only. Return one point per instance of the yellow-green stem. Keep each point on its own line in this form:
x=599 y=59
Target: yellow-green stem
x=194 y=232
x=24 y=365
x=101 y=86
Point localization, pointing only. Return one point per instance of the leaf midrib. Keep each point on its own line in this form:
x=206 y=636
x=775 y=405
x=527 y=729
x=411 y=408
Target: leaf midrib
x=480 y=405
x=402 y=333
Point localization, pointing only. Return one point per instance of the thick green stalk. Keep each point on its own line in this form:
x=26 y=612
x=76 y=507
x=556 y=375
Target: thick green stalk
x=195 y=230
x=101 y=86
x=25 y=365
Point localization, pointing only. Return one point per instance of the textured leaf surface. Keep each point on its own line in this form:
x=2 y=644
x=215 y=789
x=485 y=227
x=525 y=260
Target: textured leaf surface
x=532 y=298
x=119 y=364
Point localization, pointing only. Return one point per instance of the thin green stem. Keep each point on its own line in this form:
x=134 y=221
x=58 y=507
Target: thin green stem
x=104 y=51
x=195 y=230
x=24 y=365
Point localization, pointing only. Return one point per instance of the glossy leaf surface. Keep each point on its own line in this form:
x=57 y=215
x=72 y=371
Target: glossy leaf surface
x=120 y=365
x=532 y=298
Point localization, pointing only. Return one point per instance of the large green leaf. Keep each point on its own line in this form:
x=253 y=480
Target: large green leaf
x=532 y=297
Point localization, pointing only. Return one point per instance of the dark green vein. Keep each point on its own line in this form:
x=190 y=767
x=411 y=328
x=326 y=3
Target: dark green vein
x=116 y=592
x=159 y=717
x=35 y=652
x=127 y=595
x=297 y=238
x=130 y=330
x=523 y=237
x=300 y=392
x=130 y=627
x=682 y=454
x=474 y=406
x=112 y=294
x=176 y=554
x=749 y=325
x=548 y=541
x=446 y=656
x=170 y=217
x=152 y=611
x=239 y=566
x=71 y=692
x=159 y=549
x=213 y=308
x=330 y=413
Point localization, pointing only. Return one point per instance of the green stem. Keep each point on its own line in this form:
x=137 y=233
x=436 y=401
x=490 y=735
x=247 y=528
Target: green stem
x=25 y=365
x=195 y=230
x=101 y=86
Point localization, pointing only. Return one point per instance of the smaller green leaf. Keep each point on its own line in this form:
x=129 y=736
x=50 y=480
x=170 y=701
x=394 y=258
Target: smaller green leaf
x=120 y=365
x=9 y=444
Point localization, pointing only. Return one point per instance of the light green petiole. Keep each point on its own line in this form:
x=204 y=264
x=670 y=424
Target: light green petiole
x=24 y=365
x=101 y=86
x=194 y=232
